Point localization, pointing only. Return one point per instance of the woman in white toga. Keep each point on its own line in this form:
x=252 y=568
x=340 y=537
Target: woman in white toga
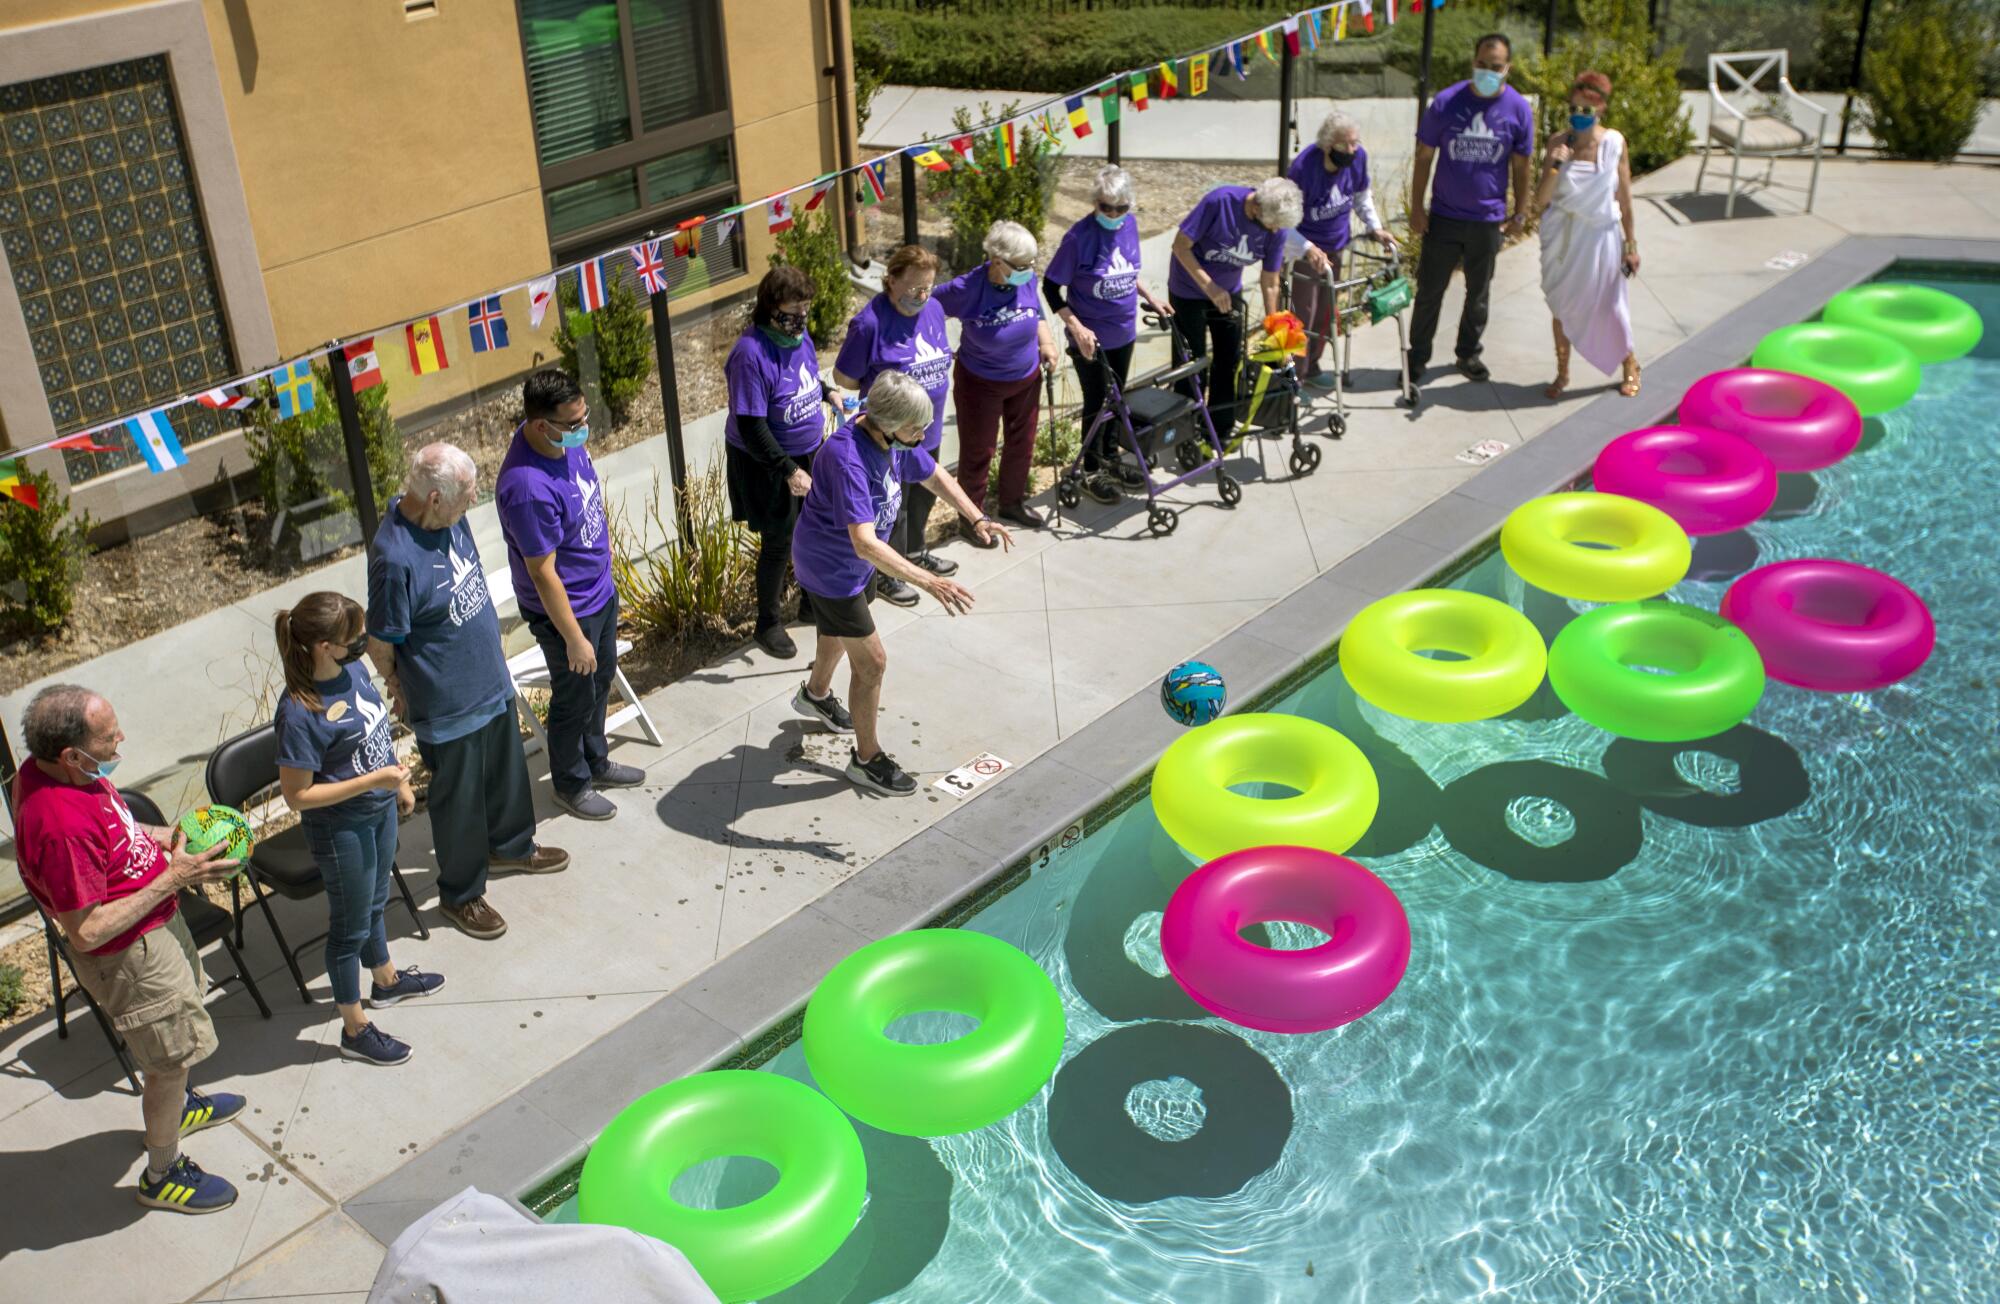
x=1588 y=250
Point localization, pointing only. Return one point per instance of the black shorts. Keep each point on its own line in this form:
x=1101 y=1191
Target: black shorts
x=844 y=617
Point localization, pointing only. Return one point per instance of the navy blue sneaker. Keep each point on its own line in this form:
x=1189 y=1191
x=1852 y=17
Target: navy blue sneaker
x=184 y=1188
x=374 y=1046
x=208 y=1111
x=410 y=982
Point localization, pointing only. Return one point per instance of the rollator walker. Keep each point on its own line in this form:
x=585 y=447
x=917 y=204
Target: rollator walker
x=1381 y=295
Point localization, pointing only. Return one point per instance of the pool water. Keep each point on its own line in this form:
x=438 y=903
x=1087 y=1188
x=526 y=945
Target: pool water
x=1706 y=1022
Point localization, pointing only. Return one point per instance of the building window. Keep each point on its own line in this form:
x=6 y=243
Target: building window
x=109 y=257
x=631 y=120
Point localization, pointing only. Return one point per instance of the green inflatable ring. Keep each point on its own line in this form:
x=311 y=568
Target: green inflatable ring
x=753 y=1250
x=1931 y=324
x=1502 y=655
x=1336 y=799
x=1602 y=666
x=1877 y=372
x=955 y=1086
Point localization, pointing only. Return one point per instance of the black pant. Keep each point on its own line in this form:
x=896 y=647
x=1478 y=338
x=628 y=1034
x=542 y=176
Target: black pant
x=774 y=554
x=914 y=520
x=1090 y=378
x=1448 y=243
x=576 y=702
x=480 y=805
x=1197 y=322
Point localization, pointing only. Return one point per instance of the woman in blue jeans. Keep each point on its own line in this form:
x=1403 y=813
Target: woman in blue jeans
x=338 y=770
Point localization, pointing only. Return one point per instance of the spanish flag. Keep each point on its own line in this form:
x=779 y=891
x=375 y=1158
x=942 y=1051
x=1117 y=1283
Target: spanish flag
x=1139 y=83
x=426 y=341
x=1170 y=84
x=1079 y=116
x=1198 y=75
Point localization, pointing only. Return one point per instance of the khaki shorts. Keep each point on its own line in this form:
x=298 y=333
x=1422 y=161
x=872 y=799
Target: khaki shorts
x=151 y=991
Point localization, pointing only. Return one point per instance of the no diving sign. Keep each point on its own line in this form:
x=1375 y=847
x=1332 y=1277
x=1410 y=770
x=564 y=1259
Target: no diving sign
x=980 y=769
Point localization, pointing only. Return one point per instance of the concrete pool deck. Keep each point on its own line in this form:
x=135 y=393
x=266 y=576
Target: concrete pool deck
x=617 y=976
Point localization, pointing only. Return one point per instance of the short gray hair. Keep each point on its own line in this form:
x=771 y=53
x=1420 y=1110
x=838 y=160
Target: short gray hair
x=1279 y=203
x=1113 y=185
x=57 y=718
x=1335 y=125
x=897 y=402
x=445 y=468
x=1010 y=241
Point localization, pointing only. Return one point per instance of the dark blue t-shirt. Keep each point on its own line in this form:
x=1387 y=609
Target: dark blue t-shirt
x=346 y=739
x=427 y=595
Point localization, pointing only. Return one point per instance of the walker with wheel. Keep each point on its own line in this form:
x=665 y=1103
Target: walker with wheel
x=1382 y=295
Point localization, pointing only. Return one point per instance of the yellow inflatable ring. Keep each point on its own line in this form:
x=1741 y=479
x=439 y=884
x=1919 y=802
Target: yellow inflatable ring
x=1334 y=806
x=1382 y=655
x=1596 y=547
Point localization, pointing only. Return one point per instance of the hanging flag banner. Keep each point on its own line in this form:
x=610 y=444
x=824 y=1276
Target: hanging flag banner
x=1312 y=27
x=1003 y=142
x=591 y=291
x=687 y=237
x=157 y=442
x=962 y=146
x=364 y=369
x=223 y=400
x=1340 y=25
x=780 y=214
x=425 y=340
x=874 y=187
x=1109 y=105
x=1264 y=45
x=929 y=158
x=292 y=388
x=1198 y=74
x=83 y=443
x=1170 y=84
x=1139 y=82
x=651 y=267
x=1368 y=16
x=821 y=189
x=487 y=324
x=1291 y=29
x=1079 y=116
x=1051 y=128
x=14 y=487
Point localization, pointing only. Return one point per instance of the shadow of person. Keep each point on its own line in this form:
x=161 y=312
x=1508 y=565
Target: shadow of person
x=94 y=1171
x=745 y=769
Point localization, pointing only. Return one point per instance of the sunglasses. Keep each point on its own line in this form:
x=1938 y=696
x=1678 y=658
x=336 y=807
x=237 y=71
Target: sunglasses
x=1019 y=267
x=1114 y=210
x=570 y=426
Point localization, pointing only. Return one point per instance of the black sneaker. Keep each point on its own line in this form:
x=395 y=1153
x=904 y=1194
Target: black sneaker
x=1129 y=477
x=936 y=565
x=1474 y=370
x=881 y=775
x=1100 y=488
x=614 y=775
x=586 y=804
x=890 y=589
x=774 y=639
x=827 y=710
x=374 y=1046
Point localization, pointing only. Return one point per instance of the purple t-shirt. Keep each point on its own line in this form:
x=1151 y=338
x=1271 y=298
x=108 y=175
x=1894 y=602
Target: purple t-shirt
x=1328 y=222
x=1001 y=336
x=1474 y=137
x=882 y=339
x=1225 y=242
x=555 y=505
x=852 y=481
x=1101 y=270
x=778 y=384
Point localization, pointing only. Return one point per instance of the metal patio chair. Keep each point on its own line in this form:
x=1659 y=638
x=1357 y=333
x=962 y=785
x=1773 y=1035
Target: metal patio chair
x=1746 y=121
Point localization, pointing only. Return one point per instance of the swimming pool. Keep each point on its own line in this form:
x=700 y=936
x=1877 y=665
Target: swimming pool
x=1689 y=1023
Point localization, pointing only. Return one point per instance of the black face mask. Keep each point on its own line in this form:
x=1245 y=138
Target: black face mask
x=789 y=323
x=352 y=652
x=1340 y=158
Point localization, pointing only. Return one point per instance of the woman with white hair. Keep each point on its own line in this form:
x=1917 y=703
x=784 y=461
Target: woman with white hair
x=1093 y=285
x=842 y=538
x=996 y=378
x=1233 y=227
x=1332 y=176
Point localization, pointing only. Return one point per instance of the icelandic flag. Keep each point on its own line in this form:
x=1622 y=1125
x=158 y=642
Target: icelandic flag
x=652 y=267
x=488 y=324
x=156 y=439
x=293 y=386
x=591 y=292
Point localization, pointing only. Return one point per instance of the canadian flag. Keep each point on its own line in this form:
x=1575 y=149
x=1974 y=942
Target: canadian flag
x=362 y=365
x=781 y=213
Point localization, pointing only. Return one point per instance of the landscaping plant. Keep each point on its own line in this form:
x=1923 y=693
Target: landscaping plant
x=813 y=246
x=621 y=332
x=13 y=990
x=41 y=557
x=1645 y=96
x=1921 y=80
x=1032 y=49
x=706 y=582
x=304 y=459
x=976 y=197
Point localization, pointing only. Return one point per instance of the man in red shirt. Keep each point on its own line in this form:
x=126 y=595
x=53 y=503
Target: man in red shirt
x=111 y=888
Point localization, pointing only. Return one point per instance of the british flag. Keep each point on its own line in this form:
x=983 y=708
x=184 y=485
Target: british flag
x=591 y=292
x=652 y=267
x=487 y=324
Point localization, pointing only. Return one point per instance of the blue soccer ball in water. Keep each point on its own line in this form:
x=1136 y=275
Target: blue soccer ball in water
x=1193 y=693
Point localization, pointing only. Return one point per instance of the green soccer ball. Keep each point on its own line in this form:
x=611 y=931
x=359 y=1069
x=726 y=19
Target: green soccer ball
x=207 y=826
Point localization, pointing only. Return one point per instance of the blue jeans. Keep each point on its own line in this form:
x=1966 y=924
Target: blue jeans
x=354 y=861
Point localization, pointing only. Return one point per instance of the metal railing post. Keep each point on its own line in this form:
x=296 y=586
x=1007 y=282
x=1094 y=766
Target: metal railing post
x=1548 y=28
x=1285 y=111
x=1854 y=77
x=363 y=486
x=909 y=170
x=670 y=411
x=1111 y=138
x=1424 y=62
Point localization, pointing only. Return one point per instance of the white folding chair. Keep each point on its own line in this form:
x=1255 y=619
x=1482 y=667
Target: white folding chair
x=1741 y=119
x=528 y=668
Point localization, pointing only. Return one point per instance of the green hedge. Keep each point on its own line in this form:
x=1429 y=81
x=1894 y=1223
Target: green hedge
x=1047 y=53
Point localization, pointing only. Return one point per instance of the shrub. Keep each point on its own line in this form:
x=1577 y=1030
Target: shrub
x=620 y=334
x=1455 y=27
x=813 y=246
x=706 y=582
x=1645 y=97
x=1057 y=441
x=13 y=989
x=42 y=550
x=977 y=197
x=305 y=459
x=1032 y=49
x=1921 y=81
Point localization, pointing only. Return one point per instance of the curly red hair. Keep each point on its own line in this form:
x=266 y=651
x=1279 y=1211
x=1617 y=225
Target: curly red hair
x=1592 y=87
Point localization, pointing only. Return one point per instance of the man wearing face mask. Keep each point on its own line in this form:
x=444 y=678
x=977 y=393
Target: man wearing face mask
x=1479 y=134
x=435 y=638
x=559 y=550
x=111 y=885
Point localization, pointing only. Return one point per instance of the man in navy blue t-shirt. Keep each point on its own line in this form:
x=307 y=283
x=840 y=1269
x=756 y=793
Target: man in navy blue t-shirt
x=435 y=637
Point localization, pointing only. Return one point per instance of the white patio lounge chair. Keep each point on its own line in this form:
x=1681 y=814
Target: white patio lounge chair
x=1741 y=123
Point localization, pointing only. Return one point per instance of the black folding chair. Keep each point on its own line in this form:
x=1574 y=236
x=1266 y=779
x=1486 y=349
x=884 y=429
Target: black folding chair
x=207 y=922
x=59 y=948
x=239 y=770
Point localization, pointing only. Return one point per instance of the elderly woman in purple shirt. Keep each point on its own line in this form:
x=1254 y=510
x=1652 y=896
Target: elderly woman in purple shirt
x=1332 y=175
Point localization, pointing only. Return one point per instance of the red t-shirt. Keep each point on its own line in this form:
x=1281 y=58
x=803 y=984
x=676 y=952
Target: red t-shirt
x=80 y=847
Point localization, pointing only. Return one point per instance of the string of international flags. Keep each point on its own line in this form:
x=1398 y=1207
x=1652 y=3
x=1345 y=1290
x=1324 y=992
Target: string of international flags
x=293 y=389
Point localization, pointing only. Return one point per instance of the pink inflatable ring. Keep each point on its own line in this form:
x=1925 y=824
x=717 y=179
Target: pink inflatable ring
x=1252 y=986
x=1801 y=424
x=1708 y=481
x=1831 y=625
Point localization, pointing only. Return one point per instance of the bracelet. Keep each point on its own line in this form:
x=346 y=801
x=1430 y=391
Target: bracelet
x=1631 y=246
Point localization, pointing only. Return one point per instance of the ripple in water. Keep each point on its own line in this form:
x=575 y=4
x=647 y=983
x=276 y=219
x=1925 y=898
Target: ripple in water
x=1540 y=821
x=1167 y=1109
x=1709 y=772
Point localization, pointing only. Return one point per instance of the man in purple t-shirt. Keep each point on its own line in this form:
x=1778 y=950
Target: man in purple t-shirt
x=559 y=552
x=842 y=538
x=1479 y=134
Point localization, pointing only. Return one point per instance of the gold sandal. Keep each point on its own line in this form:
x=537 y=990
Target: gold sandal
x=1629 y=386
x=1561 y=382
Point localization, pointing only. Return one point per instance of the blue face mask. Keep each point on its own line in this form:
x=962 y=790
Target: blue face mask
x=103 y=769
x=1021 y=277
x=1487 y=82
x=1109 y=223
x=576 y=438
x=1582 y=121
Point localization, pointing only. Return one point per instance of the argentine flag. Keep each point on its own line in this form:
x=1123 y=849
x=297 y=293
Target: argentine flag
x=154 y=435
